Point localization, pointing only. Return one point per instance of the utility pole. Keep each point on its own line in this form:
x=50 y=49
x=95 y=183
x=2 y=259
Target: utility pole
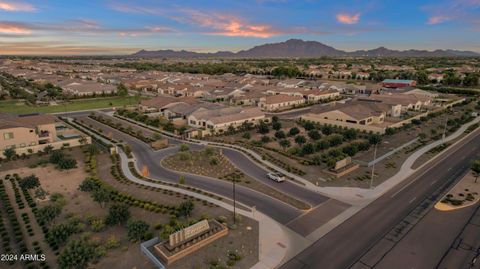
x=445 y=127
x=234 y=206
x=373 y=166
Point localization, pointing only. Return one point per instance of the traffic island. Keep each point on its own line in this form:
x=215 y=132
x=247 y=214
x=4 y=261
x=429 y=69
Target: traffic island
x=465 y=193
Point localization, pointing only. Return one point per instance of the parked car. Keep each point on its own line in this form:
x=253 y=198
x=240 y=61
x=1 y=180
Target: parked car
x=276 y=177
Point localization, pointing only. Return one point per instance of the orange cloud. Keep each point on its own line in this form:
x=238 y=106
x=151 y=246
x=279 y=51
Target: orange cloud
x=16 y=6
x=437 y=19
x=13 y=28
x=348 y=19
x=228 y=25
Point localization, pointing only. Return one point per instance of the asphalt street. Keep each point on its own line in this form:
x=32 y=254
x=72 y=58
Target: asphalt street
x=145 y=155
x=348 y=242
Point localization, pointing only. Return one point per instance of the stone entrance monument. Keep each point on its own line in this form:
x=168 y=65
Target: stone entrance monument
x=189 y=239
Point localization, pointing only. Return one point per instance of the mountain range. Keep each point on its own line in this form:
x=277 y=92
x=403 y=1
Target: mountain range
x=297 y=48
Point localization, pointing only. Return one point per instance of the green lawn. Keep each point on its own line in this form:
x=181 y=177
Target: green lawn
x=19 y=107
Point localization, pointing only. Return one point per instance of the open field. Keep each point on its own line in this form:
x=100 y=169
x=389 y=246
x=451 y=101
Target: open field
x=19 y=107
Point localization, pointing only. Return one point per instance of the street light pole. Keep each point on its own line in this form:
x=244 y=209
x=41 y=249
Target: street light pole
x=234 y=207
x=445 y=127
x=373 y=166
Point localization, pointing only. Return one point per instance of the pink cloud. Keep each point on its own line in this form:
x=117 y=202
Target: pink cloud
x=345 y=18
x=14 y=28
x=16 y=6
x=437 y=19
x=227 y=25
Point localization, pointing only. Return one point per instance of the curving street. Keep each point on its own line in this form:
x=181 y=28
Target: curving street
x=276 y=209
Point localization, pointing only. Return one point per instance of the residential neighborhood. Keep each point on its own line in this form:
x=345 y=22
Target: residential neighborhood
x=252 y=134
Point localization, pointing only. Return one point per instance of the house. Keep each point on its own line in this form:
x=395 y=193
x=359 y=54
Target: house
x=320 y=95
x=398 y=83
x=367 y=116
x=85 y=88
x=363 y=75
x=158 y=104
x=33 y=132
x=436 y=77
x=291 y=83
x=280 y=102
x=220 y=119
x=401 y=102
x=181 y=110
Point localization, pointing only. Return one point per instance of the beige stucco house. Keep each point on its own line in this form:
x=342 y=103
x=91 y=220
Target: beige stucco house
x=32 y=133
x=280 y=102
x=221 y=118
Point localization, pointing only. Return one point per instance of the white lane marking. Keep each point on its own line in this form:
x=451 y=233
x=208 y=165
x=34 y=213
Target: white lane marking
x=433 y=182
x=412 y=200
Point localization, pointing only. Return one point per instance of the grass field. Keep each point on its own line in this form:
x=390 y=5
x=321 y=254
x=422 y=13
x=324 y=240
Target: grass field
x=19 y=107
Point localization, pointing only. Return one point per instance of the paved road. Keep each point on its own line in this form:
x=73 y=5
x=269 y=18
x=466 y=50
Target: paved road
x=250 y=168
x=344 y=245
x=144 y=154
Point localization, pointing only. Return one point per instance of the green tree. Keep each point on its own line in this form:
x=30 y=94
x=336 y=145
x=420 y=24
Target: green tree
x=29 y=182
x=284 y=143
x=374 y=139
x=276 y=125
x=422 y=78
x=48 y=213
x=300 y=140
x=122 y=90
x=309 y=126
x=350 y=134
x=56 y=156
x=58 y=234
x=66 y=164
x=117 y=214
x=307 y=149
x=137 y=230
x=102 y=196
x=280 y=134
x=471 y=79
x=293 y=131
x=186 y=208
x=262 y=128
x=314 y=134
x=76 y=255
x=9 y=153
x=327 y=130
x=88 y=185
x=246 y=135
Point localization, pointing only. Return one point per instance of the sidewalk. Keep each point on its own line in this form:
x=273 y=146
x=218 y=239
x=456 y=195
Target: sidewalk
x=356 y=195
x=272 y=252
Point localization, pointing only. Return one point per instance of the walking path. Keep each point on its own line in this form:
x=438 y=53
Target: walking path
x=356 y=195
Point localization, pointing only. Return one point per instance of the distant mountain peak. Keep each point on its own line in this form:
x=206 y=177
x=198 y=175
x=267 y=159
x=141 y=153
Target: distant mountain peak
x=298 y=48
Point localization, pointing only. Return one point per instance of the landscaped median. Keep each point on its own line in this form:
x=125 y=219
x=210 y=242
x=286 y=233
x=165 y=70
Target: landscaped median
x=210 y=162
x=465 y=193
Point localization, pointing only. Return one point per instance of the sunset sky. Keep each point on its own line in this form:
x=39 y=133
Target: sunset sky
x=47 y=27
